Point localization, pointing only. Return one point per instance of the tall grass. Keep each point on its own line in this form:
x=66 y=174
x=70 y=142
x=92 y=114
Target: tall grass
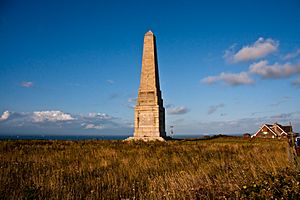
x=218 y=168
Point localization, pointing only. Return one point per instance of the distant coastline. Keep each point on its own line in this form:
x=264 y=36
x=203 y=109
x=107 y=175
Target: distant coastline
x=63 y=137
x=85 y=137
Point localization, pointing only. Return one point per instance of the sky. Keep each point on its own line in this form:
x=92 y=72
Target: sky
x=73 y=67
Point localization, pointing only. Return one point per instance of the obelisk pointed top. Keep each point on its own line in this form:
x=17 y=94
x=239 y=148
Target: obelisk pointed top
x=149 y=33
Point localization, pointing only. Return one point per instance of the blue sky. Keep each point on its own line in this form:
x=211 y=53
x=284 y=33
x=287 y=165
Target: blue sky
x=73 y=67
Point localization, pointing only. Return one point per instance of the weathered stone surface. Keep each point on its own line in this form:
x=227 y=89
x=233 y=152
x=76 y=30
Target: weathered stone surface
x=149 y=119
x=146 y=139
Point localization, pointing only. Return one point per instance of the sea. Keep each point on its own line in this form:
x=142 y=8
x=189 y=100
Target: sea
x=81 y=137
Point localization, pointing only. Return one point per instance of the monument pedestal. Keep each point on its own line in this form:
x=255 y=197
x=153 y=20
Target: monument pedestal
x=145 y=139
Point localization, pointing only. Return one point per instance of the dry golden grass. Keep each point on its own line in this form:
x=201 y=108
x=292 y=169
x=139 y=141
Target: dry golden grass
x=204 y=169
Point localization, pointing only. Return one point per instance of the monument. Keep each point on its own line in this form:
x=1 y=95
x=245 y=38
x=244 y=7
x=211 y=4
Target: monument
x=149 y=117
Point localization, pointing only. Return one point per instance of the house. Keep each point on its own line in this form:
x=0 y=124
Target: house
x=246 y=135
x=273 y=131
x=297 y=145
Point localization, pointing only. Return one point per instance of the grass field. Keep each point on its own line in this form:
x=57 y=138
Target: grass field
x=204 y=169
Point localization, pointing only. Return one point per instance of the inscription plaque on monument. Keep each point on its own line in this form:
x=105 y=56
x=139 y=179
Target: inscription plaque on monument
x=146 y=119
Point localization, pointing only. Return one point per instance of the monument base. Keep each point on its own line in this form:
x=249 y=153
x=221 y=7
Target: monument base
x=145 y=139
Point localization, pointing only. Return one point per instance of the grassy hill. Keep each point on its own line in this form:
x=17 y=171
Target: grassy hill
x=216 y=168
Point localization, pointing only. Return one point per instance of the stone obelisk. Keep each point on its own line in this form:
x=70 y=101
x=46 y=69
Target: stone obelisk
x=149 y=117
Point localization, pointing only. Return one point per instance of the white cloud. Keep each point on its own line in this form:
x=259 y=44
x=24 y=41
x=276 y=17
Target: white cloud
x=214 y=108
x=27 y=84
x=130 y=106
x=261 y=68
x=177 y=110
x=292 y=55
x=132 y=100
x=229 y=53
x=113 y=96
x=261 y=48
x=239 y=125
x=110 y=81
x=230 y=79
x=5 y=115
x=93 y=126
x=131 y=103
x=58 y=122
x=52 y=116
x=280 y=101
x=296 y=82
x=282 y=116
x=102 y=116
x=236 y=79
x=276 y=70
x=211 y=79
